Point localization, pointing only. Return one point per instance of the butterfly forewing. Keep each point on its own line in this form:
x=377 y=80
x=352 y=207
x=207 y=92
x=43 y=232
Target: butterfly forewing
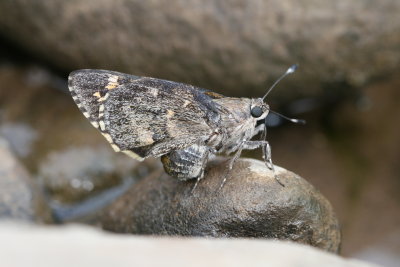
x=144 y=116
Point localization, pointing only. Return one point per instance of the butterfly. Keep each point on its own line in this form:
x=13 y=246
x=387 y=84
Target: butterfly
x=183 y=124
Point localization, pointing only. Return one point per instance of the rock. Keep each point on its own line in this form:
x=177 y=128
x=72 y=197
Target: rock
x=251 y=204
x=72 y=175
x=16 y=191
x=19 y=136
x=232 y=47
x=80 y=181
x=385 y=252
x=53 y=246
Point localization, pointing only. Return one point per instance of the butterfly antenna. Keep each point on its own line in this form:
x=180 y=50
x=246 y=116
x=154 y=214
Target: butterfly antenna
x=290 y=70
x=298 y=121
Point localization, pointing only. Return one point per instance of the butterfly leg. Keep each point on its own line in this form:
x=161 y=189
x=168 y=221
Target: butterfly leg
x=260 y=128
x=245 y=145
x=266 y=148
x=230 y=165
x=268 y=160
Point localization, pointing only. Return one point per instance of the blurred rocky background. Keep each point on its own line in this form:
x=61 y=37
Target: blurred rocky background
x=55 y=167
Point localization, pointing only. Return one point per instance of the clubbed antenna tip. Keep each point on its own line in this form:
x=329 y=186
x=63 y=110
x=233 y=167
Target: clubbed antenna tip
x=298 y=121
x=290 y=70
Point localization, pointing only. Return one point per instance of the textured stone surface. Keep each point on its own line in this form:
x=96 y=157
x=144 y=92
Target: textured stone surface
x=251 y=204
x=16 y=191
x=236 y=46
x=82 y=246
x=76 y=173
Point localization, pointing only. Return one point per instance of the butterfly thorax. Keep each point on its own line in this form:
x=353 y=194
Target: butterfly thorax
x=236 y=123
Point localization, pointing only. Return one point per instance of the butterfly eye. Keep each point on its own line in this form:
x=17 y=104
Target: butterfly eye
x=256 y=112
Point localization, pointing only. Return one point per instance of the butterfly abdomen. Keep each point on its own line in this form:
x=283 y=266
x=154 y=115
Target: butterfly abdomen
x=188 y=163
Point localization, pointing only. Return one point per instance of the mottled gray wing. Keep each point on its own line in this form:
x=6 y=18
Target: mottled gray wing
x=88 y=86
x=144 y=116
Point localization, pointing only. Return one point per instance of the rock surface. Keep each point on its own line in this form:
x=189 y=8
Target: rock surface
x=16 y=191
x=83 y=246
x=238 y=46
x=76 y=173
x=251 y=204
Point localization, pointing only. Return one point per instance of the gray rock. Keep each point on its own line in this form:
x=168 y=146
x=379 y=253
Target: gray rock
x=238 y=46
x=76 y=173
x=20 y=137
x=251 y=204
x=80 y=181
x=53 y=246
x=16 y=191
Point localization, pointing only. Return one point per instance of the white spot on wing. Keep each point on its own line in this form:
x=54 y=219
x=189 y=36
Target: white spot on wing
x=108 y=137
x=97 y=94
x=170 y=113
x=101 y=111
x=95 y=124
x=112 y=82
x=101 y=99
x=153 y=91
x=115 y=147
x=113 y=79
x=102 y=125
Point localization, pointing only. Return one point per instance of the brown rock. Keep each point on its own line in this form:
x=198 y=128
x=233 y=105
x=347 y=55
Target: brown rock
x=237 y=46
x=251 y=204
